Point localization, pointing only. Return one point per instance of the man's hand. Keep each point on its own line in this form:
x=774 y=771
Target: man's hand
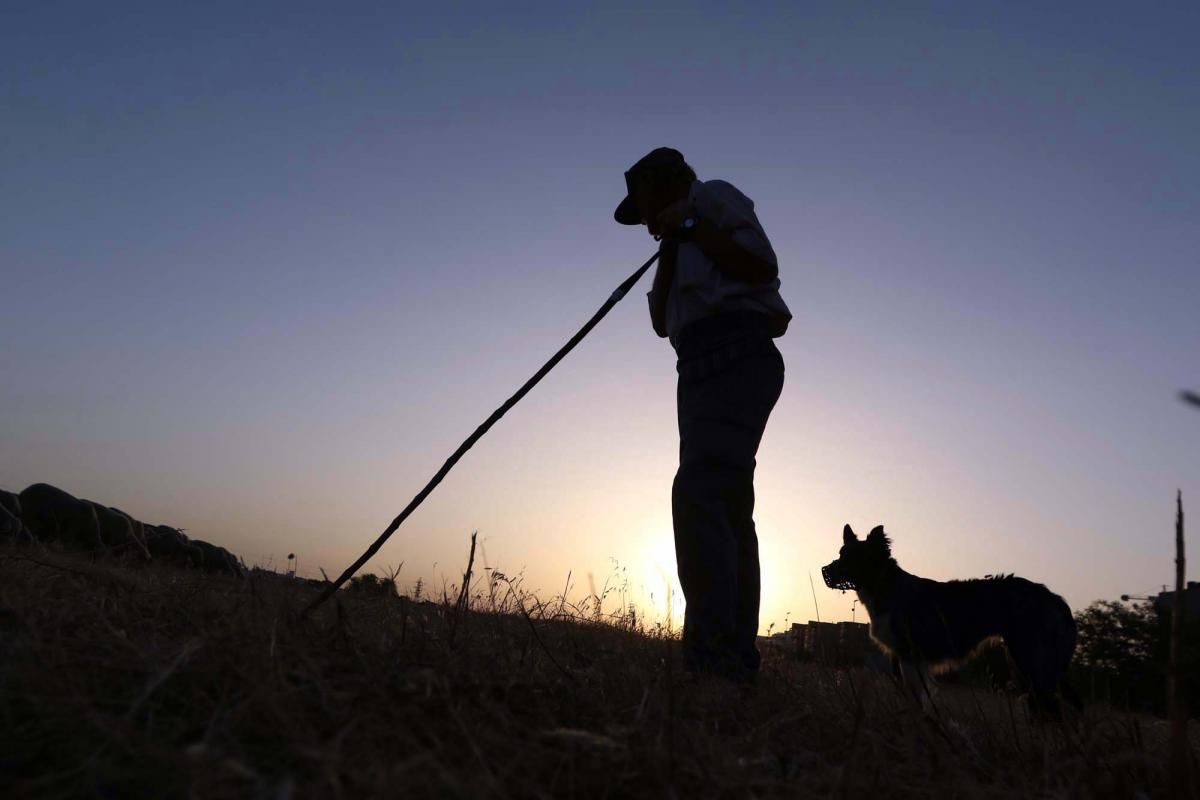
x=670 y=219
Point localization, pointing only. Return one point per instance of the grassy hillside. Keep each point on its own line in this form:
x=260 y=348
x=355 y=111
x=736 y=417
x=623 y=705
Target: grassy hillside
x=122 y=682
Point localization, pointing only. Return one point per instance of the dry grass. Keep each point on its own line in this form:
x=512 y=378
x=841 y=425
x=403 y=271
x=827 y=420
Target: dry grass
x=153 y=683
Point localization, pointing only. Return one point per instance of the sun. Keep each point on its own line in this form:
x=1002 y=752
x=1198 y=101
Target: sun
x=656 y=586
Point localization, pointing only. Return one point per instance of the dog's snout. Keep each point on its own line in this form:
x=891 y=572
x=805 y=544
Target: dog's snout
x=833 y=579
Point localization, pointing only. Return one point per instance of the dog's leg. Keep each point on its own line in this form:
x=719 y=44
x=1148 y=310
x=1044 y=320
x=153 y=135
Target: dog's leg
x=914 y=676
x=1039 y=675
x=1070 y=695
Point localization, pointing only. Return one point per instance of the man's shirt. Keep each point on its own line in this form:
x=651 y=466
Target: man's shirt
x=698 y=288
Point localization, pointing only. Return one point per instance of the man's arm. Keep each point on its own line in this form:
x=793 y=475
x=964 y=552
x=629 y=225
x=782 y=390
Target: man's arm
x=730 y=257
x=719 y=245
x=664 y=275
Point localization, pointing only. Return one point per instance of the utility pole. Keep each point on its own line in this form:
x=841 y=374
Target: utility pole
x=1180 y=754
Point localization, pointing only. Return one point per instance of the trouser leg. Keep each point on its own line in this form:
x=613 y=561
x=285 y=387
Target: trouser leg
x=748 y=582
x=707 y=556
x=721 y=422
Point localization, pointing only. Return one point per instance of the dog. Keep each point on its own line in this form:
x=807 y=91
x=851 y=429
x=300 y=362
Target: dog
x=929 y=626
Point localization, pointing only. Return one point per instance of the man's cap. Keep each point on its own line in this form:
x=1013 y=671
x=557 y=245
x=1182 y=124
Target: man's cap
x=661 y=159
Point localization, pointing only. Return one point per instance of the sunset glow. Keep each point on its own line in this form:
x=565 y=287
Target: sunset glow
x=259 y=287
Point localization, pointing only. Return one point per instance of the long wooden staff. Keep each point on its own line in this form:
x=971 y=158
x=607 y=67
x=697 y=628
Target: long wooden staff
x=613 y=299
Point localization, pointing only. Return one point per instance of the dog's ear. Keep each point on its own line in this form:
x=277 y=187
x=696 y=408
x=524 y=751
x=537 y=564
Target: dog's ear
x=877 y=536
x=848 y=535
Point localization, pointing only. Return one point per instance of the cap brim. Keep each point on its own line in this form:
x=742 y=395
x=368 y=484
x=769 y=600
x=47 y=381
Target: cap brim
x=627 y=213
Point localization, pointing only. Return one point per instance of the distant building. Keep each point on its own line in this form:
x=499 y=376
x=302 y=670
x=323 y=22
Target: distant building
x=841 y=644
x=1164 y=601
x=779 y=641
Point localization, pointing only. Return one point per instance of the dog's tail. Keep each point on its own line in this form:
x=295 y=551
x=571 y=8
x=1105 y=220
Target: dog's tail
x=1066 y=647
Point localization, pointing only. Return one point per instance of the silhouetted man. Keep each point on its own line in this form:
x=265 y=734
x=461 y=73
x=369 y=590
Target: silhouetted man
x=716 y=297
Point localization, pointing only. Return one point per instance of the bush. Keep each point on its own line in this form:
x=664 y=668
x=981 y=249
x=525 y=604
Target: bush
x=1121 y=655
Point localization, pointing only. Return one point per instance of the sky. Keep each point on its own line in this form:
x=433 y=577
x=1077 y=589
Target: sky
x=265 y=266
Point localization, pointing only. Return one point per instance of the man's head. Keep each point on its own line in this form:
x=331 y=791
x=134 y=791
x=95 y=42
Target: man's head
x=859 y=563
x=658 y=179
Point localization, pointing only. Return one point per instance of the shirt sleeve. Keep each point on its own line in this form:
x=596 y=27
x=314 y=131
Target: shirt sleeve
x=721 y=203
